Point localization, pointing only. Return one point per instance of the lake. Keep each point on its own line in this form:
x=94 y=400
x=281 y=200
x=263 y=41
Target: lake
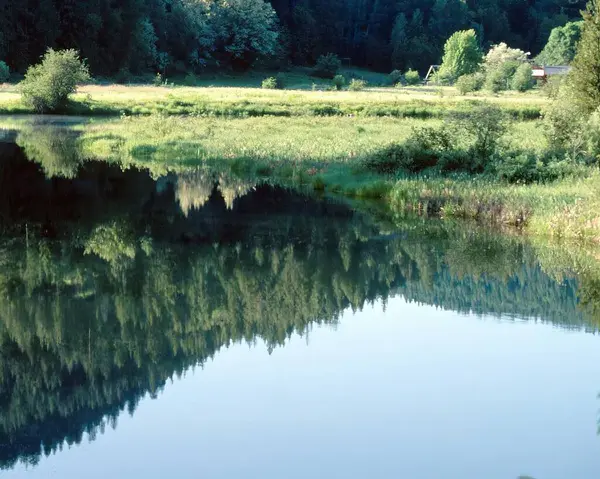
x=196 y=324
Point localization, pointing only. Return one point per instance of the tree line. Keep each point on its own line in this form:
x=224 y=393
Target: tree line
x=122 y=37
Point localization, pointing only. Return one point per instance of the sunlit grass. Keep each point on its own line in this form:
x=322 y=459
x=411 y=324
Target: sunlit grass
x=238 y=99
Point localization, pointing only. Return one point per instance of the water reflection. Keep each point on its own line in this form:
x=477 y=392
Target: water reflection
x=113 y=281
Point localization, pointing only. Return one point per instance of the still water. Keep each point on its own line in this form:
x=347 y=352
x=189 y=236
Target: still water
x=199 y=325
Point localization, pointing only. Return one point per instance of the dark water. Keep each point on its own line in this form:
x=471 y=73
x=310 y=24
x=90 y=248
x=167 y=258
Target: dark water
x=198 y=325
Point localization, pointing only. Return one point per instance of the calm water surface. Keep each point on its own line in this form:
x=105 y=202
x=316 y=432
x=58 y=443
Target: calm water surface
x=199 y=325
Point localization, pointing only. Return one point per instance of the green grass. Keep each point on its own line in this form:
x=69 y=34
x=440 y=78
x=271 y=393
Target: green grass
x=241 y=96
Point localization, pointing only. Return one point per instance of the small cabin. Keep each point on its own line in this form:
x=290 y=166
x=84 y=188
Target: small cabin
x=543 y=72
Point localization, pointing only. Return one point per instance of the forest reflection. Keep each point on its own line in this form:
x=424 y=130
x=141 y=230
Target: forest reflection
x=113 y=281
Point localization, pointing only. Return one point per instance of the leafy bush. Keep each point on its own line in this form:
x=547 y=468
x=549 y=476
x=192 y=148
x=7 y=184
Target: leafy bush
x=281 y=80
x=470 y=83
x=47 y=86
x=158 y=80
x=500 y=78
x=4 y=72
x=327 y=66
x=522 y=79
x=495 y=81
x=521 y=168
x=269 y=83
x=338 y=82
x=481 y=130
x=190 y=79
x=357 y=85
x=396 y=77
x=412 y=77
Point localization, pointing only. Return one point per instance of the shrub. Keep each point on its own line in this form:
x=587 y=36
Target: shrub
x=470 y=83
x=481 y=130
x=499 y=78
x=495 y=81
x=327 y=66
x=158 y=80
x=4 y=72
x=522 y=79
x=190 y=79
x=395 y=77
x=521 y=168
x=412 y=77
x=47 y=86
x=338 y=82
x=357 y=85
x=269 y=83
x=281 y=80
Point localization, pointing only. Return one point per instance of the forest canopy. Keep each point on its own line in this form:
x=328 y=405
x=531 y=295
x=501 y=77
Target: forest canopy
x=177 y=36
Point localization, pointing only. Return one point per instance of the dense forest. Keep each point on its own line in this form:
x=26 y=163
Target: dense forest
x=122 y=37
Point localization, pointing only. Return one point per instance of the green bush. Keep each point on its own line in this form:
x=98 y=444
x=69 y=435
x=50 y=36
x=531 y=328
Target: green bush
x=470 y=83
x=47 y=86
x=281 y=80
x=327 y=66
x=158 y=80
x=412 y=77
x=499 y=79
x=190 y=79
x=521 y=168
x=4 y=72
x=480 y=131
x=523 y=78
x=339 y=82
x=357 y=85
x=269 y=83
x=396 y=77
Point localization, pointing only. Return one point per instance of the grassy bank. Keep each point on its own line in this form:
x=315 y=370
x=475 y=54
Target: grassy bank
x=217 y=101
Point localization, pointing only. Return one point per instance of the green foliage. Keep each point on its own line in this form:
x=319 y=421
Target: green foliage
x=584 y=78
x=357 y=85
x=327 y=66
x=197 y=35
x=4 y=72
x=562 y=45
x=412 y=77
x=269 y=83
x=47 y=86
x=462 y=56
x=158 y=80
x=501 y=54
x=281 y=79
x=500 y=78
x=482 y=129
x=395 y=77
x=339 y=81
x=470 y=83
x=522 y=80
x=244 y=30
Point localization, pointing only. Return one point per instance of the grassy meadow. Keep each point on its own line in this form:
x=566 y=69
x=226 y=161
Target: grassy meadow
x=241 y=96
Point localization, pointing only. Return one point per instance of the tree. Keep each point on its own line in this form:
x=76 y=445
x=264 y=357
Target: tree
x=522 y=80
x=584 y=79
x=245 y=30
x=562 y=45
x=462 y=55
x=502 y=53
x=47 y=86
